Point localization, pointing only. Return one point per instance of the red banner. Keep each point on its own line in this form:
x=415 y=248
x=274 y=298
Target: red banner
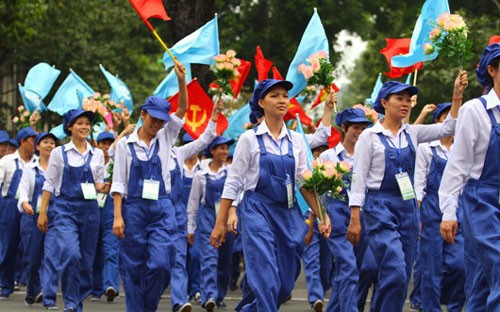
x=396 y=47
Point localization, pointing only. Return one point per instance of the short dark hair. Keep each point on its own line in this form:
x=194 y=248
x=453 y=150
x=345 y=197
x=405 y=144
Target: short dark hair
x=494 y=63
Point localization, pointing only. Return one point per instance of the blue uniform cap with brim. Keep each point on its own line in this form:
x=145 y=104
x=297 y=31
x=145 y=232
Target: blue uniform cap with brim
x=157 y=107
x=440 y=110
x=12 y=142
x=24 y=133
x=4 y=136
x=72 y=115
x=42 y=135
x=489 y=54
x=391 y=87
x=219 y=140
x=186 y=138
x=262 y=88
x=105 y=136
x=352 y=115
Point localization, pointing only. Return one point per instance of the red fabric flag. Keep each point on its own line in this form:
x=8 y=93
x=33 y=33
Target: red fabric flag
x=150 y=9
x=244 y=70
x=334 y=138
x=262 y=65
x=322 y=95
x=277 y=74
x=199 y=110
x=494 y=39
x=295 y=108
x=396 y=47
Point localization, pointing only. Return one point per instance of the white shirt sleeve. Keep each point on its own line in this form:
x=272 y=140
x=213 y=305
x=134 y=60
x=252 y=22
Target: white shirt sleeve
x=192 y=148
x=361 y=166
x=172 y=129
x=300 y=145
x=53 y=174
x=319 y=137
x=241 y=162
x=427 y=133
x=26 y=187
x=98 y=167
x=422 y=165
x=120 y=169
x=195 y=197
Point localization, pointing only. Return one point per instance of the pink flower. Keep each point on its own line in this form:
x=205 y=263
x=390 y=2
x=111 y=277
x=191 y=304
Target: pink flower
x=96 y=95
x=339 y=189
x=15 y=119
x=20 y=108
x=22 y=118
x=220 y=66
x=330 y=172
x=26 y=113
x=236 y=62
x=321 y=54
x=220 y=58
x=102 y=110
x=316 y=163
x=428 y=48
x=344 y=166
x=373 y=116
x=230 y=53
x=306 y=174
x=228 y=66
x=443 y=18
x=315 y=67
x=306 y=70
x=458 y=21
x=435 y=34
x=329 y=164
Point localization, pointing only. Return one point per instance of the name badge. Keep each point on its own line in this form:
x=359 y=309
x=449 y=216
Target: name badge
x=289 y=191
x=38 y=204
x=17 y=193
x=217 y=207
x=101 y=199
x=151 y=189
x=405 y=186
x=88 y=190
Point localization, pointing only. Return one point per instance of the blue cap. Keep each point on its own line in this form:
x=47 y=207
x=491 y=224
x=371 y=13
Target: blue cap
x=440 y=110
x=219 y=140
x=13 y=142
x=260 y=90
x=157 y=107
x=72 y=115
x=186 y=138
x=489 y=54
x=24 y=133
x=353 y=115
x=40 y=136
x=391 y=87
x=105 y=136
x=4 y=136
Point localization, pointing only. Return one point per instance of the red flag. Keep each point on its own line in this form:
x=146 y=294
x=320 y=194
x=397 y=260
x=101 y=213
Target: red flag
x=277 y=74
x=244 y=70
x=262 y=65
x=396 y=47
x=150 y=9
x=199 y=110
x=295 y=108
x=334 y=138
x=322 y=95
x=494 y=39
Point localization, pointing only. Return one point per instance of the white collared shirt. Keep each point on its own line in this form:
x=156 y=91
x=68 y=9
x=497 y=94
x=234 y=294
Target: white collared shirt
x=423 y=164
x=197 y=194
x=369 y=159
x=319 y=137
x=8 y=167
x=192 y=148
x=166 y=137
x=244 y=172
x=469 y=151
x=333 y=154
x=54 y=172
x=27 y=184
x=190 y=173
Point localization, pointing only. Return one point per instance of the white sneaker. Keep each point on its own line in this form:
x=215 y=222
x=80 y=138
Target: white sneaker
x=209 y=305
x=317 y=306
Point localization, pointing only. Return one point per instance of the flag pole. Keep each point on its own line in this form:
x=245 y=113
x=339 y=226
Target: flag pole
x=415 y=77
x=161 y=42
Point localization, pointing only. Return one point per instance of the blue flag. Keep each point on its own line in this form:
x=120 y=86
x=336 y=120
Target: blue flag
x=68 y=95
x=237 y=122
x=119 y=90
x=37 y=85
x=313 y=40
x=376 y=89
x=197 y=48
x=425 y=23
x=408 y=79
x=58 y=132
x=31 y=99
x=170 y=86
x=304 y=207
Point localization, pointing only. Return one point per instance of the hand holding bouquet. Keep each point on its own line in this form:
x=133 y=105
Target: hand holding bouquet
x=102 y=105
x=225 y=70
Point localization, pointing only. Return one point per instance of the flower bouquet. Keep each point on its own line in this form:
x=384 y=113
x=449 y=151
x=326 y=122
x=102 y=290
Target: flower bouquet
x=319 y=71
x=370 y=114
x=449 y=36
x=225 y=69
x=103 y=106
x=326 y=179
x=23 y=120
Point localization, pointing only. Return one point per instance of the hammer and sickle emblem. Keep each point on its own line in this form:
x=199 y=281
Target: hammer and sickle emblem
x=194 y=123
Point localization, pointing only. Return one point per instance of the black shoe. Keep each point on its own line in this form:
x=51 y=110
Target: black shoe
x=29 y=301
x=209 y=305
x=233 y=286
x=317 y=306
x=39 y=298
x=186 y=307
x=415 y=307
x=221 y=305
x=16 y=285
x=110 y=294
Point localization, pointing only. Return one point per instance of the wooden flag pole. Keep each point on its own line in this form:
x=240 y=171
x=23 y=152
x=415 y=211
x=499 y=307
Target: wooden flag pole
x=415 y=77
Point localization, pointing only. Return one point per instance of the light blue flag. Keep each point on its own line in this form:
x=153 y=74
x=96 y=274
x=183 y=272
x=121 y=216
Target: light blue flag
x=170 y=86
x=313 y=40
x=304 y=207
x=119 y=90
x=31 y=100
x=197 y=48
x=67 y=96
x=237 y=122
x=41 y=78
x=138 y=125
x=376 y=88
x=58 y=132
x=425 y=23
x=408 y=79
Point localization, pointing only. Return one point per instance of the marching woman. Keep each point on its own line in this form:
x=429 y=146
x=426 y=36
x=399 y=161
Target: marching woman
x=473 y=171
x=144 y=217
x=179 y=284
x=30 y=191
x=345 y=275
x=267 y=162
x=441 y=264
x=203 y=206
x=74 y=174
x=384 y=164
